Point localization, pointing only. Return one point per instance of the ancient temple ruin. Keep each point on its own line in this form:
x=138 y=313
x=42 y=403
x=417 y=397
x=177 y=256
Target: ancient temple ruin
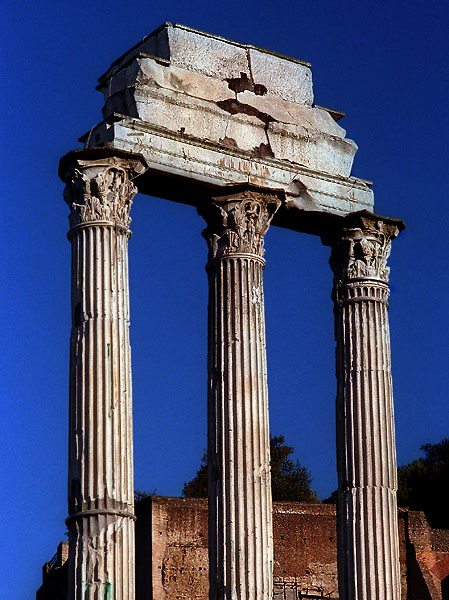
x=234 y=131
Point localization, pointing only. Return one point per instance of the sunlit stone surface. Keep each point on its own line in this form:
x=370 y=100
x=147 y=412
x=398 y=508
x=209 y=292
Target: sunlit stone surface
x=219 y=112
x=240 y=511
x=99 y=192
x=367 y=523
x=233 y=130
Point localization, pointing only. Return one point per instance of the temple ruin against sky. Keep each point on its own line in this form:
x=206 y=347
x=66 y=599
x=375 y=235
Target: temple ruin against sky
x=232 y=130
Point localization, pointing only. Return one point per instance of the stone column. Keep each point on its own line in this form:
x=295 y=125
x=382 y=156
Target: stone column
x=101 y=518
x=240 y=519
x=367 y=528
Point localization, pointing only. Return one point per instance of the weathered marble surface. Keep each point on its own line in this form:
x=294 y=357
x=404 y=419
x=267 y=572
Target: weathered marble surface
x=367 y=523
x=240 y=508
x=202 y=114
x=220 y=113
x=99 y=192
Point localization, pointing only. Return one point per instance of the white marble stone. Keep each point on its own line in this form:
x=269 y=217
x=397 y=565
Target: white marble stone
x=283 y=77
x=367 y=523
x=205 y=53
x=240 y=507
x=101 y=518
x=205 y=107
x=178 y=154
x=218 y=57
x=286 y=111
x=214 y=110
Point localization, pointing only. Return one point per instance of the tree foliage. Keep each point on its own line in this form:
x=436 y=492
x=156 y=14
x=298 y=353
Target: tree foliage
x=289 y=480
x=197 y=487
x=332 y=498
x=142 y=494
x=422 y=484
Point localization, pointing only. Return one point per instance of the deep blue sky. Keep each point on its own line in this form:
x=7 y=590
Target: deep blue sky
x=384 y=64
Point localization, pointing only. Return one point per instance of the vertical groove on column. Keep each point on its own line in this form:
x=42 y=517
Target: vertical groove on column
x=257 y=500
x=265 y=476
x=240 y=530
x=368 y=545
x=375 y=574
x=238 y=350
x=99 y=193
x=105 y=405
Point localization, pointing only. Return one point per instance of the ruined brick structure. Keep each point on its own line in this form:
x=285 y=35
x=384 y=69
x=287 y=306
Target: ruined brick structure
x=172 y=554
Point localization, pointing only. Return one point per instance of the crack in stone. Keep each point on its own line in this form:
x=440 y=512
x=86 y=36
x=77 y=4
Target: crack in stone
x=234 y=107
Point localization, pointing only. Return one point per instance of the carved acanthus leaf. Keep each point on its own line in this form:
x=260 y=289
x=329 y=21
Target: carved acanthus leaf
x=363 y=253
x=102 y=195
x=238 y=224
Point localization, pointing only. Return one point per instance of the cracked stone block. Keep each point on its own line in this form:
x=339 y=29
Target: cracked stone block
x=274 y=71
x=206 y=54
x=219 y=112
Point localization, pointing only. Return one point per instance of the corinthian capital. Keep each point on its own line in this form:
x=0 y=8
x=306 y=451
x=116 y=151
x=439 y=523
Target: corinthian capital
x=238 y=222
x=361 y=247
x=99 y=186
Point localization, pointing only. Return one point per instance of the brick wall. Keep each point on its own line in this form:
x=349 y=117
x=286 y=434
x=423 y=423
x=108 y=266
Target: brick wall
x=305 y=551
x=172 y=559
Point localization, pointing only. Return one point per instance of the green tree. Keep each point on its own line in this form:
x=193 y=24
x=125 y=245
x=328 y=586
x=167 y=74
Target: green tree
x=289 y=480
x=422 y=484
x=197 y=487
x=141 y=495
x=332 y=498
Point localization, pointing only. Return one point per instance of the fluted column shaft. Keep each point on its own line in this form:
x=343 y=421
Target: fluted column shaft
x=367 y=528
x=101 y=491
x=240 y=509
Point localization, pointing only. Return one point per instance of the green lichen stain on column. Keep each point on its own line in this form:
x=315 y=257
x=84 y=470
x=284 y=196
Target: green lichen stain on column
x=107 y=591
